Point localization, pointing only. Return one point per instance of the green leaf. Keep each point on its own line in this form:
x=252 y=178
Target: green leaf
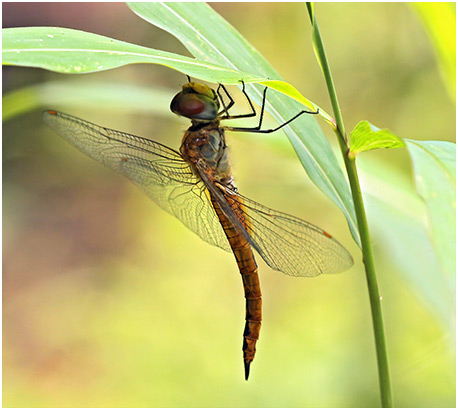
x=434 y=164
x=398 y=221
x=366 y=136
x=210 y=38
x=76 y=52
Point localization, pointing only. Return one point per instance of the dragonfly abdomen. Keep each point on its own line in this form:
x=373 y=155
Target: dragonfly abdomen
x=253 y=316
x=250 y=278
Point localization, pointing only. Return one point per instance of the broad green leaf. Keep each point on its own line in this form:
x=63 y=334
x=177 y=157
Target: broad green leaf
x=398 y=221
x=210 y=38
x=366 y=136
x=89 y=94
x=434 y=164
x=439 y=19
x=76 y=52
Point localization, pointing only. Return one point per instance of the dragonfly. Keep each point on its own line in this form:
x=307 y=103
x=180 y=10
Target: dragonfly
x=196 y=185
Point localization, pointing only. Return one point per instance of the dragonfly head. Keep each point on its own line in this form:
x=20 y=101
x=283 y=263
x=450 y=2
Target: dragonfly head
x=197 y=102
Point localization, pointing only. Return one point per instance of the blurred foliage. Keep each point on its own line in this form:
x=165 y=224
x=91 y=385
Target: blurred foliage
x=109 y=96
x=440 y=23
x=108 y=301
x=434 y=165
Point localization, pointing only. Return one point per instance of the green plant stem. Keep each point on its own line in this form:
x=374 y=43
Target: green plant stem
x=368 y=259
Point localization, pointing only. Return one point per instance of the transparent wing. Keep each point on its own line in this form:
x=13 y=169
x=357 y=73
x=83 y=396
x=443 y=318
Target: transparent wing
x=158 y=170
x=286 y=243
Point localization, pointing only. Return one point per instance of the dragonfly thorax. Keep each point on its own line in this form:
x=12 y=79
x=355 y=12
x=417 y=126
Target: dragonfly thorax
x=197 y=102
x=205 y=147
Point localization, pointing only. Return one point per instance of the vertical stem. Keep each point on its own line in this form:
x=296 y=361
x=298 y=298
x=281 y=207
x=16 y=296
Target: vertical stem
x=368 y=259
x=371 y=278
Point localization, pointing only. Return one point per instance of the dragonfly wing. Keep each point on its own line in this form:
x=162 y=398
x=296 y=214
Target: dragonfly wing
x=289 y=244
x=157 y=169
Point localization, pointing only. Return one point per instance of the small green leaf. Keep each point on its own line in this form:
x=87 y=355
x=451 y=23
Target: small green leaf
x=366 y=136
x=434 y=164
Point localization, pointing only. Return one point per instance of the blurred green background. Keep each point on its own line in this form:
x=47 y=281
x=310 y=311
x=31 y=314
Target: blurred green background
x=110 y=302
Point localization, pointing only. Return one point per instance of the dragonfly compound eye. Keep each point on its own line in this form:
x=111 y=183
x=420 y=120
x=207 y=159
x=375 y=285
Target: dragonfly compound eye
x=195 y=106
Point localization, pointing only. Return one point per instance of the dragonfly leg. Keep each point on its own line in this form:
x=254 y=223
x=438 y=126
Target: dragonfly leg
x=231 y=100
x=232 y=117
x=261 y=116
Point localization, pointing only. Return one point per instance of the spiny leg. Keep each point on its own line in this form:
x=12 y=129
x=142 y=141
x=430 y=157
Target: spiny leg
x=231 y=117
x=231 y=101
x=261 y=116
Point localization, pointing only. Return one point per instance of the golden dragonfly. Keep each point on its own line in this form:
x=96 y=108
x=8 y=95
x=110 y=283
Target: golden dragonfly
x=196 y=186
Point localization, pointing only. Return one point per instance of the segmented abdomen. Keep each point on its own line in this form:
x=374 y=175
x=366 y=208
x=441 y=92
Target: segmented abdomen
x=249 y=271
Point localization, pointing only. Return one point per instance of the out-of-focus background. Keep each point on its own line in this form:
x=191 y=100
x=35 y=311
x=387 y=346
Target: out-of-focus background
x=108 y=301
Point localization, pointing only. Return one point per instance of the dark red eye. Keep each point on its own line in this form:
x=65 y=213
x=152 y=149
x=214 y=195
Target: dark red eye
x=194 y=106
x=188 y=105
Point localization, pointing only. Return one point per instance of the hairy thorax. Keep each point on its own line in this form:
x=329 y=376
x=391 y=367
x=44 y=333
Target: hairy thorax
x=204 y=147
